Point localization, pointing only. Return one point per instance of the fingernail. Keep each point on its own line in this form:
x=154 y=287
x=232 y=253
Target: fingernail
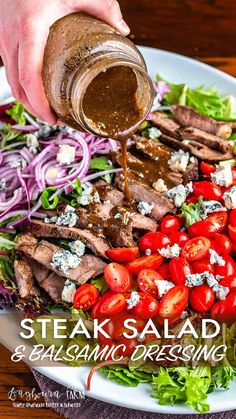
x=124 y=27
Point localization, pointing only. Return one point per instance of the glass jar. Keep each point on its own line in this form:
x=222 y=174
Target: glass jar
x=95 y=79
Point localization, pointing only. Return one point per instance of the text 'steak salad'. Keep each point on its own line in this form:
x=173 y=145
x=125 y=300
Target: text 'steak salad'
x=154 y=271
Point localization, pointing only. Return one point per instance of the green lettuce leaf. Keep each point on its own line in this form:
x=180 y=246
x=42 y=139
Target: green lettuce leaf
x=100 y=163
x=126 y=377
x=45 y=198
x=192 y=212
x=100 y=284
x=17 y=113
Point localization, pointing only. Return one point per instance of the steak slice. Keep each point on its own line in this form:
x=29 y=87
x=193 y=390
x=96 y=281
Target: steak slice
x=200 y=151
x=98 y=245
x=24 y=279
x=211 y=141
x=188 y=117
x=166 y=125
x=49 y=281
x=120 y=235
x=43 y=251
x=107 y=192
x=141 y=192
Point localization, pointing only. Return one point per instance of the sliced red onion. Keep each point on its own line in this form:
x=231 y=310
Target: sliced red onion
x=24 y=128
x=99 y=174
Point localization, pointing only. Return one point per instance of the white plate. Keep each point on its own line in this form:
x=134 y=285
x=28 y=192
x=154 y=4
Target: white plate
x=175 y=68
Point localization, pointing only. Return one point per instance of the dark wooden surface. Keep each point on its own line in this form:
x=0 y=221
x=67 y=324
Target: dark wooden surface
x=203 y=29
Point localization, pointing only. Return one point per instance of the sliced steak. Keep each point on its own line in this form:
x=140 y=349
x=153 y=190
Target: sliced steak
x=166 y=125
x=24 y=279
x=140 y=192
x=188 y=117
x=198 y=150
x=107 y=192
x=98 y=245
x=49 y=281
x=42 y=252
x=120 y=235
x=211 y=141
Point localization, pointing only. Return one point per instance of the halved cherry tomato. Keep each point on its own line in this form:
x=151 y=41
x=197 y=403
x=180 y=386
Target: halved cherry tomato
x=123 y=254
x=179 y=237
x=214 y=223
x=119 y=320
x=171 y=321
x=225 y=311
x=146 y=281
x=129 y=344
x=206 y=168
x=232 y=217
x=117 y=277
x=234 y=173
x=228 y=269
x=232 y=232
x=153 y=241
x=85 y=297
x=109 y=328
x=207 y=190
x=144 y=262
x=203 y=265
x=202 y=298
x=196 y=249
x=229 y=281
x=179 y=269
x=163 y=270
x=170 y=224
x=223 y=242
x=174 y=302
x=95 y=313
x=147 y=306
x=112 y=304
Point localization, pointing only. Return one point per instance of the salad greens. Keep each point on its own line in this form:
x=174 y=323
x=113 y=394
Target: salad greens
x=206 y=101
x=17 y=113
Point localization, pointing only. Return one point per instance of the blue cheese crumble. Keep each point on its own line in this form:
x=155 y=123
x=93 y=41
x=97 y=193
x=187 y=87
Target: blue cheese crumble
x=145 y=208
x=154 y=133
x=21 y=162
x=223 y=175
x=77 y=247
x=179 y=193
x=3 y=185
x=160 y=186
x=215 y=258
x=211 y=206
x=66 y=154
x=133 y=300
x=148 y=252
x=194 y=280
x=170 y=252
x=88 y=196
x=220 y=291
x=229 y=198
x=32 y=143
x=68 y=217
x=163 y=286
x=63 y=260
x=68 y=292
x=179 y=161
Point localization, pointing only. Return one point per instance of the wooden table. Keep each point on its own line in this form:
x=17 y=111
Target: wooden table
x=203 y=29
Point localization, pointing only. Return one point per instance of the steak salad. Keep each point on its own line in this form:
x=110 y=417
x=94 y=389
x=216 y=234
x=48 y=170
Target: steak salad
x=70 y=239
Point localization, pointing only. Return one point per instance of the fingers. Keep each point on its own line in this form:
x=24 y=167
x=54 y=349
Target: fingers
x=107 y=10
x=30 y=56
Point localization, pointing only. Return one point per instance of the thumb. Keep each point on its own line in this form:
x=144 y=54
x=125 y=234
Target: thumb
x=106 y=10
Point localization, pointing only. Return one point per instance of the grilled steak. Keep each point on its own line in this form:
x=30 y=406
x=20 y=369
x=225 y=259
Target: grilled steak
x=98 y=245
x=109 y=193
x=42 y=252
x=166 y=125
x=188 y=117
x=24 y=279
x=120 y=235
x=211 y=141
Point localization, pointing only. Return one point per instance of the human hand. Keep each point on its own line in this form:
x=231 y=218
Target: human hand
x=24 y=28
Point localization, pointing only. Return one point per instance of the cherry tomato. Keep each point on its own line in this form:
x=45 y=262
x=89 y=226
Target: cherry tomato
x=95 y=313
x=228 y=269
x=206 y=168
x=120 y=328
x=129 y=344
x=179 y=269
x=203 y=265
x=117 y=277
x=85 y=297
x=147 y=306
x=207 y=190
x=153 y=241
x=146 y=281
x=223 y=242
x=123 y=254
x=112 y=304
x=225 y=311
x=229 y=281
x=202 y=298
x=170 y=224
x=214 y=223
x=232 y=217
x=234 y=173
x=145 y=262
x=163 y=270
x=171 y=321
x=233 y=251
x=109 y=328
x=232 y=232
x=196 y=249
x=174 y=302
x=179 y=237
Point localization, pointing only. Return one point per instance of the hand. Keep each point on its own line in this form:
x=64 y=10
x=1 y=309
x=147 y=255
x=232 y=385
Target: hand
x=24 y=28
